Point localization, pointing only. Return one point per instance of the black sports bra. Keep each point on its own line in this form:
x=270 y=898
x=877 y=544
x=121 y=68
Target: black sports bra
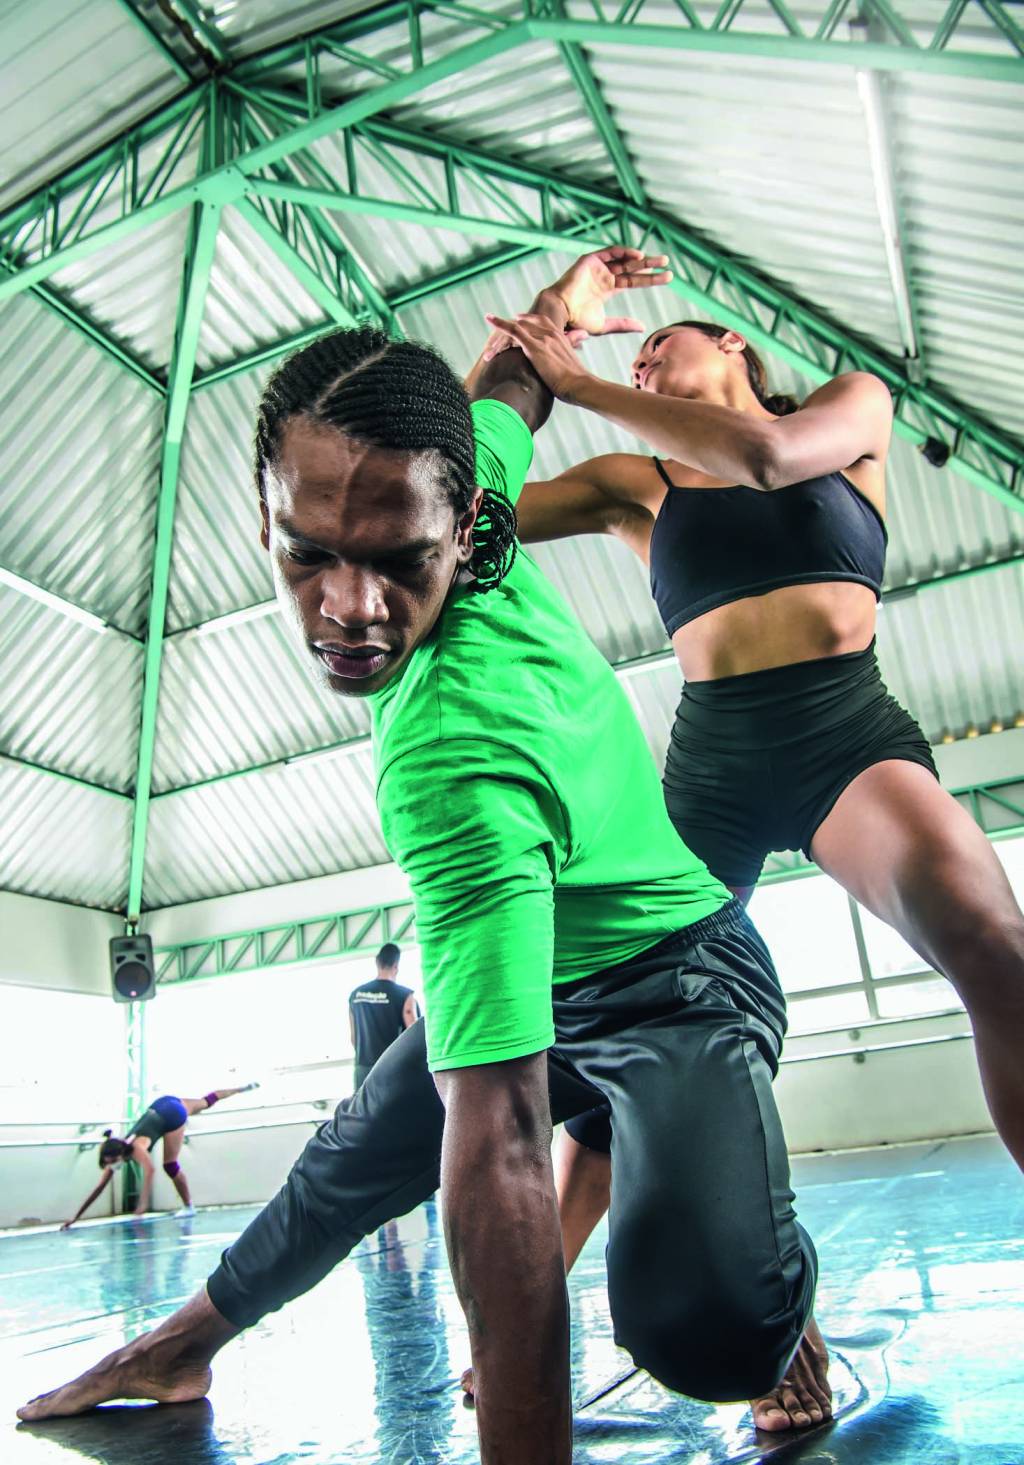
x=710 y=546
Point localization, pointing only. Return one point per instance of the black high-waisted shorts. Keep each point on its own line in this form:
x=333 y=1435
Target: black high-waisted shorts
x=756 y=762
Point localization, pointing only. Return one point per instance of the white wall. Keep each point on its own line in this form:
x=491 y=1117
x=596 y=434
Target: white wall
x=981 y=760
x=47 y=944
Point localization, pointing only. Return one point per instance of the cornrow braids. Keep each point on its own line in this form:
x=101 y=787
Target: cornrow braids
x=390 y=394
x=778 y=402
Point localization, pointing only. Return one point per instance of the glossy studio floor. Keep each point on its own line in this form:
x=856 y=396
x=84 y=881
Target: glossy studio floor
x=921 y=1301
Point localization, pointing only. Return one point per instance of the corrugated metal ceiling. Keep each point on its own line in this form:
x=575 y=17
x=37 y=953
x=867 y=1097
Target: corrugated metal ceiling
x=74 y=74
x=69 y=696
x=80 y=442
x=768 y=159
x=272 y=827
x=61 y=841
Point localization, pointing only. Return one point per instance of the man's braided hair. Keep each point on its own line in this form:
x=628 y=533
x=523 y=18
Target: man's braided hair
x=390 y=394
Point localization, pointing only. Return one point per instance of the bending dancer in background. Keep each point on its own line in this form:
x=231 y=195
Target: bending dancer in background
x=165 y=1121
x=573 y=948
x=763 y=525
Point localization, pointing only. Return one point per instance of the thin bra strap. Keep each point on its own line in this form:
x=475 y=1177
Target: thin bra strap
x=661 y=469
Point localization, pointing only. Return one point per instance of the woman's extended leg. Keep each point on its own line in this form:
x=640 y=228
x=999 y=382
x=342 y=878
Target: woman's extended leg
x=903 y=847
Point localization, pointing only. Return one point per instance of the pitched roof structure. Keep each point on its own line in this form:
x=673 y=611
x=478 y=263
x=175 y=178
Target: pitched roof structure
x=191 y=189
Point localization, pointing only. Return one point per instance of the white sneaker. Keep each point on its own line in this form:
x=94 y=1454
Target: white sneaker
x=184 y=1211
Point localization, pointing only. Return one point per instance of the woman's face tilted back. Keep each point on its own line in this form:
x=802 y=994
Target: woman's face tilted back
x=678 y=361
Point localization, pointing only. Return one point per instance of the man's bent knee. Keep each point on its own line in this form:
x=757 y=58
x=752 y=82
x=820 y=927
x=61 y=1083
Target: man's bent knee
x=703 y=1353
x=171 y=1168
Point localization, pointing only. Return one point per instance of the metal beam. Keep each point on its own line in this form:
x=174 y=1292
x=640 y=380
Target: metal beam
x=439 y=284
x=126 y=185
x=796 y=333
x=71 y=778
x=196 y=275
x=603 y=122
x=313 y=284
x=946 y=52
x=903 y=54
x=324 y=242
x=732 y=292
x=80 y=322
x=335 y=936
x=207 y=35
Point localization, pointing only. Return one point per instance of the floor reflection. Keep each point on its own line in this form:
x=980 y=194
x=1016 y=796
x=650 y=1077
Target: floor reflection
x=921 y=1300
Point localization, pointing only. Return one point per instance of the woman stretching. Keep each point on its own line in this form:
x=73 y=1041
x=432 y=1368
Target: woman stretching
x=165 y=1120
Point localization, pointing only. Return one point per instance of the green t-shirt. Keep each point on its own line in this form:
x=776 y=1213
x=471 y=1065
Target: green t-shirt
x=517 y=793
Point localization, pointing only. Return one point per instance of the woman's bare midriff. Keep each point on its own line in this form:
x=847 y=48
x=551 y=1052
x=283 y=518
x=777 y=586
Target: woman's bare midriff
x=792 y=624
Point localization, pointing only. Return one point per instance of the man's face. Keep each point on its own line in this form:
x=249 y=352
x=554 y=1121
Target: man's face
x=364 y=546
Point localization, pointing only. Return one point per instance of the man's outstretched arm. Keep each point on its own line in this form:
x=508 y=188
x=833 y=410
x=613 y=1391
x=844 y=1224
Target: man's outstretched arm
x=505 y=1249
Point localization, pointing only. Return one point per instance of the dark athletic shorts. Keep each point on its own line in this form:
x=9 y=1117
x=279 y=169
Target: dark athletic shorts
x=164 y=1115
x=757 y=762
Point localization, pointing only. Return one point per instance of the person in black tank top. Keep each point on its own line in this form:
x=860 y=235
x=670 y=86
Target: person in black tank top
x=811 y=755
x=379 y=1012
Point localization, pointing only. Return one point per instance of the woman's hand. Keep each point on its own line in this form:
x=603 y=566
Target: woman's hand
x=549 y=351
x=587 y=285
x=585 y=288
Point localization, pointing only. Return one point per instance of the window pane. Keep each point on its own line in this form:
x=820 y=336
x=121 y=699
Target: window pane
x=917 y=998
x=1011 y=854
x=62 y=1057
x=810 y=1015
x=284 y=1027
x=807 y=926
x=888 y=953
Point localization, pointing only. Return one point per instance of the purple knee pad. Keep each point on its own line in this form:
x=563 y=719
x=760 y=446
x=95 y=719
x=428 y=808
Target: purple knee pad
x=211 y=1099
x=171 y=1168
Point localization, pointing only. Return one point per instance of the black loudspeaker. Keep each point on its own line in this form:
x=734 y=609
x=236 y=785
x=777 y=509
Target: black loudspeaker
x=132 y=975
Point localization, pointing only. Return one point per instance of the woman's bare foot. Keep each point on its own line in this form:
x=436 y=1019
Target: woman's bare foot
x=804 y=1397
x=170 y=1365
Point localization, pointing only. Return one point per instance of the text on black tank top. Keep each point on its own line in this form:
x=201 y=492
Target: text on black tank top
x=711 y=546
x=376 y=1009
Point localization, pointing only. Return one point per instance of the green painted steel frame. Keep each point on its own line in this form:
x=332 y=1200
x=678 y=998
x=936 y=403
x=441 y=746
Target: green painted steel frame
x=318 y=938
x=198 y=263
x=549 y=213
x=37 y=238
x=136 y=1077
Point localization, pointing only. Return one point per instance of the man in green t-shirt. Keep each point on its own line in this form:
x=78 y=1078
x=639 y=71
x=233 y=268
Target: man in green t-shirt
x=573 y=948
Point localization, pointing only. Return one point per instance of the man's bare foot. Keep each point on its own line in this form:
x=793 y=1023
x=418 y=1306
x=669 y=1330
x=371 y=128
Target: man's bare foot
x=170 y=1365
x=804 y=1397
x=130 y=1373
